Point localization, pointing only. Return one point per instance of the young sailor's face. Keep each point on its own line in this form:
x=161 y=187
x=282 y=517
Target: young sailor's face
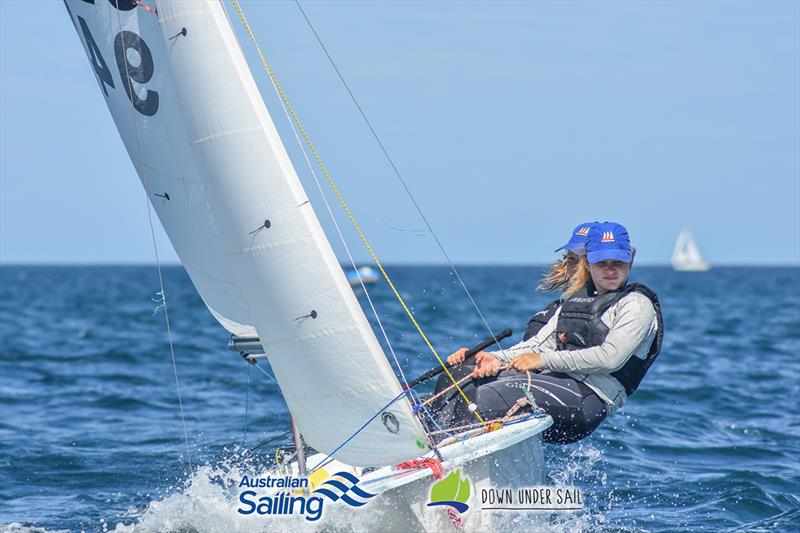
x=609 y=275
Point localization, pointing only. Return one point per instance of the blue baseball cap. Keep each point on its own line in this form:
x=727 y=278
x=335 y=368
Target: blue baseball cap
x=608 y=240
x=577 y=240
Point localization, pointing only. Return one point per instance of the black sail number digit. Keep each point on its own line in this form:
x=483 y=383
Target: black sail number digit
x=134 y=61
x=98 y=63
x=140 y=71
x=123 y=5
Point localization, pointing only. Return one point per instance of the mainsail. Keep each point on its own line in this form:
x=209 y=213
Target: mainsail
x=221 y=182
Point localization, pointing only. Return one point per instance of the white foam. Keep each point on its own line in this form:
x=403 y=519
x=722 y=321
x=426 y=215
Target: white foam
x=208 y=502
x=16 y=527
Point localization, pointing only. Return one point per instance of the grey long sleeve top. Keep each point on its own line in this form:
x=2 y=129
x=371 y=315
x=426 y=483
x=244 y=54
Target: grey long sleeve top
x=632 y=327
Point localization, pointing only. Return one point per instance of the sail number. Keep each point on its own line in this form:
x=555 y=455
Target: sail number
x=127 y=46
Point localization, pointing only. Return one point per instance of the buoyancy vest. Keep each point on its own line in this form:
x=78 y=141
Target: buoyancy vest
x=580 y=326
x=541 y=318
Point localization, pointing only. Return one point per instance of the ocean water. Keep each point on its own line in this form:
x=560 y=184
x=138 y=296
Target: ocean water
x=91 y=435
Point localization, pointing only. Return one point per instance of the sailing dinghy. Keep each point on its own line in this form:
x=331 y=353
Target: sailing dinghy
x=221 y=182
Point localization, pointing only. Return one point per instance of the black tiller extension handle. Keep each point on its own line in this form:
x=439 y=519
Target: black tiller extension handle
x=470 y=353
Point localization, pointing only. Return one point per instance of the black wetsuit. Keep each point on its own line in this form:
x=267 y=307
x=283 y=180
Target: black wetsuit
x=576 y=409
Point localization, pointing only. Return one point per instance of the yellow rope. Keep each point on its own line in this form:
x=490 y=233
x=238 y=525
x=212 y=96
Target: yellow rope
x=344 y=204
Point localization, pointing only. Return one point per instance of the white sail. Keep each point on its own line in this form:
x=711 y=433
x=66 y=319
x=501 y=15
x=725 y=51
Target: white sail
x=686 y=255
x=157 y=146
x=195 y=122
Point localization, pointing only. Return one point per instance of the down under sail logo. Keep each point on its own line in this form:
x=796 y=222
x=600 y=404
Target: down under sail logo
x=452 y=490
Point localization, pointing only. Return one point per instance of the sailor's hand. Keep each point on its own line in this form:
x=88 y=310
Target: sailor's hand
x=457 y=357
x=486 y=365
x=526 y=361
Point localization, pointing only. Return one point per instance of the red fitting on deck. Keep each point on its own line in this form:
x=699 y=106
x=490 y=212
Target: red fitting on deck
x=434 y=464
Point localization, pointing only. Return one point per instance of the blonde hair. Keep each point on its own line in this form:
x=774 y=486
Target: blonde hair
x=557 y=276
x=570 y=274
x=562 y=273
x=579 y=278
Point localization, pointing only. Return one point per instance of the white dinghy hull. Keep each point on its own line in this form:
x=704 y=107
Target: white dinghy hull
x=510 y=457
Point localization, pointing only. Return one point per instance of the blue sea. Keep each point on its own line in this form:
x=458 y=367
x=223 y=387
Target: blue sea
x=91 y=435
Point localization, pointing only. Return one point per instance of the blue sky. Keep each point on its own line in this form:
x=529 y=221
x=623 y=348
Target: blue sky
x=510 y=121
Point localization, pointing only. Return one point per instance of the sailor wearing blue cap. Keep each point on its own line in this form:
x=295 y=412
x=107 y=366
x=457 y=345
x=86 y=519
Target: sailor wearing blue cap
x=560 y=276
x=608 y=240
x=590 y=355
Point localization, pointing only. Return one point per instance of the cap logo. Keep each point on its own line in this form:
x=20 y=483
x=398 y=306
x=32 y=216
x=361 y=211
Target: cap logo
x=583 y=231
x=608 y=236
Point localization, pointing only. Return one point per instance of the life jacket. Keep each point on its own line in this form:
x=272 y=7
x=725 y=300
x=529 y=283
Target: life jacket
x=541 y=318
x=580 y=326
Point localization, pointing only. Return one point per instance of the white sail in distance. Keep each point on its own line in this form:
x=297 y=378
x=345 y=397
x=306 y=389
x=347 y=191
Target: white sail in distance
x=686 y=256
x=194 y=119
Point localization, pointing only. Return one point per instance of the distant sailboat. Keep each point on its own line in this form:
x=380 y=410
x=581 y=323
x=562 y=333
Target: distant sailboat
x=686 y=256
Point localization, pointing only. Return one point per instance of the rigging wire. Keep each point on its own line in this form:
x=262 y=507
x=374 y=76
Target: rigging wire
x=406 y=392
x=332 y=216
x=145 y=182
x=397 y=173
x=359 y=430
x=341 y=237
x=344 y=205
x=271 y=440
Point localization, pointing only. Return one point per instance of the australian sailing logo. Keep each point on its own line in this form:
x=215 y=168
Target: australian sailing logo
x=452 y=491
x=583 y=232
x=344 y=486
x=293 y=496
x=608 y=236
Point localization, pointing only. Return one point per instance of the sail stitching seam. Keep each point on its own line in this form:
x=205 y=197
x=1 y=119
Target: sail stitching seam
x=223 y=134
x=269 y=246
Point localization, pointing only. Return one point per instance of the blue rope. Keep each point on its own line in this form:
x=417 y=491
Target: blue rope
x=537 y=413
x=272 y=379
x=430 y=416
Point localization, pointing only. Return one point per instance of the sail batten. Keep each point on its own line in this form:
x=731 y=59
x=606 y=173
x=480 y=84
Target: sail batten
x=242 y=226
